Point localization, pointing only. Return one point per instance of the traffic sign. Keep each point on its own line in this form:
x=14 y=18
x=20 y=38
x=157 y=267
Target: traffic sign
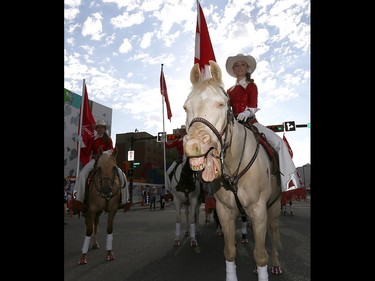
x=131 y=155
x=161 y=137
x=289 y=126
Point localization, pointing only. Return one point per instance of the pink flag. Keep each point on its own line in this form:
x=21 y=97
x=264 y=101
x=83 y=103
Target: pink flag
x=164 y=93
x=203 y=47
x=88 y=123
x=289 y=148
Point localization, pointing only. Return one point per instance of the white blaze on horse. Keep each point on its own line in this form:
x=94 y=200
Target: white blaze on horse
x=190 y=199
x=230 y=156
x=104 y=193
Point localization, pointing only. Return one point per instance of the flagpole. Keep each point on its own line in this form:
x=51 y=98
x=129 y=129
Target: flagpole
x=80 y=128
x=164 y=135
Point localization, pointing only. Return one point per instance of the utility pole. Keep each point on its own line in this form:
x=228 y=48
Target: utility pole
x=130 y=172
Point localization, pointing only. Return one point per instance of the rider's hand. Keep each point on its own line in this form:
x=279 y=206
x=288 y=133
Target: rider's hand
x=244 y=115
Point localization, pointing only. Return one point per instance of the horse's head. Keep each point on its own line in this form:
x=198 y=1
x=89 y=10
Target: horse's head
x=207 y=116
x=106 y=176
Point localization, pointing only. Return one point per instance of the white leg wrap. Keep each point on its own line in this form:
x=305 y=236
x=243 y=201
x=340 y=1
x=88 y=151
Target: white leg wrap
x=108 y=244
x=86 y=244
x=192 y=231
x=178 y=230
x=243 y=229
x=231 y=274
x=262 y=273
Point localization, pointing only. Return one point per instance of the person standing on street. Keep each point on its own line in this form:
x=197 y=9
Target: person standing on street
x=153 y=194
x=162 y=195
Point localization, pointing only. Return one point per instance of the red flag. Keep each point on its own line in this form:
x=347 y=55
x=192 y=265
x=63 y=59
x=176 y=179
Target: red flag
x=164 y=93
x=88 y=123
x=203 y=47
x=287 y=144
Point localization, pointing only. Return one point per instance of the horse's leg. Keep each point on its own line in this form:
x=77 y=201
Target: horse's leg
x=192 y=223
x=260 y=252
x=187 y=221
x=219 y=231
x=111 y=215
x=227 y=221
x=95 y=243
x=177 y=241
x=89 y=223
x=197 y=225
x=273 y=228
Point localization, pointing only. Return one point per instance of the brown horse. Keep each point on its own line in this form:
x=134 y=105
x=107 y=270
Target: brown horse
x=230 y=156
x=104 y=193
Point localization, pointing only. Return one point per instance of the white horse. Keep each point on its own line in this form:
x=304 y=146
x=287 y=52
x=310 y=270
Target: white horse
x=230 y=156
x=190 y=198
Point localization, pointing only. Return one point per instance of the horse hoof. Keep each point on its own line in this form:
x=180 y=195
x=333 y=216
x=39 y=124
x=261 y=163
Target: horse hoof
x=95 y=246
x=177 y=243
x=276 y=270
x=82 y=260
x=110 y=257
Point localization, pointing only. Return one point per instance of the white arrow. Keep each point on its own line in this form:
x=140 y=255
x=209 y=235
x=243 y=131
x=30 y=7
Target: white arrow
x=290 y=127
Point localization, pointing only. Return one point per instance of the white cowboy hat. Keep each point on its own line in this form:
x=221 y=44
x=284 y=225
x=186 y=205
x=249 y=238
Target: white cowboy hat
x=100 y=123
x=251 y=62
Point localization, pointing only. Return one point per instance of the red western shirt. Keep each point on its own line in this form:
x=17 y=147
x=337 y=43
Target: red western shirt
x=240 y=98
x=95 y=143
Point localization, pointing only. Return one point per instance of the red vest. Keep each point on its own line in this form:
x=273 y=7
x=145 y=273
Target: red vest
x=240 y=98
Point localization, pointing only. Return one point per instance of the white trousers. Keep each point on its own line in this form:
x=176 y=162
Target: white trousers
x=287 y=168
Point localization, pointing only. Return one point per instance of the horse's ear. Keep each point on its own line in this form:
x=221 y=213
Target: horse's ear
x=100 y=151
x=215 y=71
x=114 y=151
x=195 y=74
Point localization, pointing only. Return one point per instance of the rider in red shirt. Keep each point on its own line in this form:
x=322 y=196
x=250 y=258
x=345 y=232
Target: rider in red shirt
x=243 y=98
x=179 y=145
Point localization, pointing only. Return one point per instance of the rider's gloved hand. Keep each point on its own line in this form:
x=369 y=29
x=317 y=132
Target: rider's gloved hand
x=244 y=115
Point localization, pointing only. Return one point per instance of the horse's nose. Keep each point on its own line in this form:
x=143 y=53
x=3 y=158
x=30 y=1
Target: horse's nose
x=192 y=147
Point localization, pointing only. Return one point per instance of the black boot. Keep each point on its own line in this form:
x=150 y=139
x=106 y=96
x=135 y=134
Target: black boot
x=186 y=182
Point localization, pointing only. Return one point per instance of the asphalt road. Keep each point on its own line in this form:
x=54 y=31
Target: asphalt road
x=143 y=247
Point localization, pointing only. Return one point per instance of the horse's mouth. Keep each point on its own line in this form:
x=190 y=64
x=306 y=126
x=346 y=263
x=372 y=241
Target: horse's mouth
x=208 y=164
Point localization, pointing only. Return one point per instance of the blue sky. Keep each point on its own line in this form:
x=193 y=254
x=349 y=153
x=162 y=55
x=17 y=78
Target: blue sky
x=118 y=47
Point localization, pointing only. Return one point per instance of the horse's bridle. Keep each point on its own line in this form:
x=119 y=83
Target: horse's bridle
x=99 y=186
